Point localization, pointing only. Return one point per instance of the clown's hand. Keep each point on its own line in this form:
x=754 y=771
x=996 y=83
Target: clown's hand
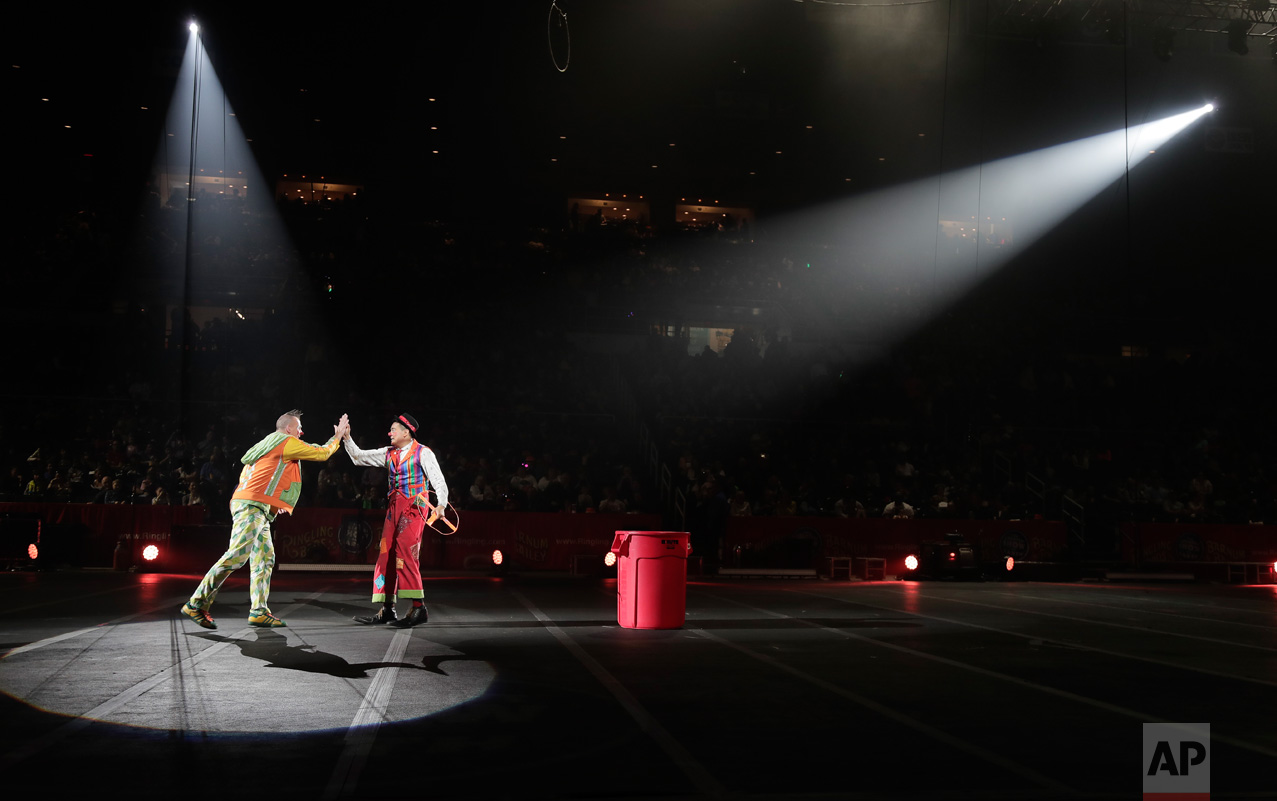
x=432 y=513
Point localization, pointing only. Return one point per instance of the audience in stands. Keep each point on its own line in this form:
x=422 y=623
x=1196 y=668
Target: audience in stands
x=537 y=408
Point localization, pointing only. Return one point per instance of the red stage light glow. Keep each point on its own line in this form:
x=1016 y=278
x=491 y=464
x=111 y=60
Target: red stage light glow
x=33 y=551
x=497 y=557
x=911 y=562
x=150 y=552
x=1010 y=562
x=610 y=559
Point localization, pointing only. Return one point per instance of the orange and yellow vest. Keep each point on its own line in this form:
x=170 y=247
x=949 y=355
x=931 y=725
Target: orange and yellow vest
x=272 y=473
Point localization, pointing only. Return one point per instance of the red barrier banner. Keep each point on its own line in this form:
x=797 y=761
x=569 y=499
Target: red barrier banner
x=328 y=536
x=533 y=541
x=1169 y=542
x=794 y=542
x=86 y=533
x=537 y=541
x=529 y=540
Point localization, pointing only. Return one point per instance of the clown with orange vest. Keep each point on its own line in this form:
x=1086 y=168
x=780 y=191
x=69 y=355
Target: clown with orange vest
x=269 y=484
x=413 y=473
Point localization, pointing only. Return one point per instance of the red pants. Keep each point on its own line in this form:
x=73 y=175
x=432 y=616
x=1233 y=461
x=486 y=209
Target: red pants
x=398 y=570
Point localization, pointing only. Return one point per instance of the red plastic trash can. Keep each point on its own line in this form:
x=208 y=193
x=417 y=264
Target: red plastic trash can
x=651 y=578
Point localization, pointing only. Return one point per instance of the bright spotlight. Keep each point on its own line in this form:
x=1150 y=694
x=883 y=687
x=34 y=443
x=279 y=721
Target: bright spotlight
x=1010 y=564
x=1152 y=135
x=193 y=27
x=610 y=559
x=33 y=551
x=150 y=552
x=497 y=557
x=911 y=562
x=1044 y=187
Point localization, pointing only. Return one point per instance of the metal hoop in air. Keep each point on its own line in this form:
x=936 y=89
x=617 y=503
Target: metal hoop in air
x=563 y=20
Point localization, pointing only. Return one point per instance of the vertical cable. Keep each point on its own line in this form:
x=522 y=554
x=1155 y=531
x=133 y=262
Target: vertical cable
x=984 y=79
x=1126 y=175
x=223 y=142
x=195 y=103
x=179 y=332
x=944 y=113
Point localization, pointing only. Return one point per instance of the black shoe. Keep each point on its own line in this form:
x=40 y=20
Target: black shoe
x=416 y=617
x=386 y=615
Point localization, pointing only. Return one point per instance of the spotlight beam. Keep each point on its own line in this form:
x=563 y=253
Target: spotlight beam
x=956 y=222
x=180 y=337
x=208 y=168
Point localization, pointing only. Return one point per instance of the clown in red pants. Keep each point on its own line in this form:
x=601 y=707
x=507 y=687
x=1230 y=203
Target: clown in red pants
x=413 y=473
x=398 y=570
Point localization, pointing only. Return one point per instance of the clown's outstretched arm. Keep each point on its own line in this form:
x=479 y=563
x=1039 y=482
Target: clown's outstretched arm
x=295 y=449
x=373 y=458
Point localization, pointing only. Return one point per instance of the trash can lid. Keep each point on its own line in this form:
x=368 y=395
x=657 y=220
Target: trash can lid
x=620 y=539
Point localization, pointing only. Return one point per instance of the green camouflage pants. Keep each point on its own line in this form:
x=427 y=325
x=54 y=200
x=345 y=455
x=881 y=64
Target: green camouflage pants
x=250 y=542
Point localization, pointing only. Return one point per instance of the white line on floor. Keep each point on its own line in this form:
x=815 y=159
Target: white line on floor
x=363 y=729
x=882 y=709
x=1090 y=621
x=1113 y=708
x=1041 y=638
x=1133 y=610
x=43 y=606
x=112 y=705
x=694 y=770
x=171 y=603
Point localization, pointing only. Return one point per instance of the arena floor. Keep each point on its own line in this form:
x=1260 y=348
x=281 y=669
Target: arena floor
x=524 y=687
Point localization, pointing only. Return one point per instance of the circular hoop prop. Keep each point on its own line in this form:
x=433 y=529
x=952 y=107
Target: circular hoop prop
x=563 y=22
x=444 y=521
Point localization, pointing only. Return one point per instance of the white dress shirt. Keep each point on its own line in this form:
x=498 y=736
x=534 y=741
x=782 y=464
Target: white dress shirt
x=377 y=458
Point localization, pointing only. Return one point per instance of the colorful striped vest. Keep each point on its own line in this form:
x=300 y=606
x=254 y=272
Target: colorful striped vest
x=407 y=477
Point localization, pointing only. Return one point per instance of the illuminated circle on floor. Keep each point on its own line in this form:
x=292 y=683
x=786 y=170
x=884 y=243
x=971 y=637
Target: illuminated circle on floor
x=295 y=680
